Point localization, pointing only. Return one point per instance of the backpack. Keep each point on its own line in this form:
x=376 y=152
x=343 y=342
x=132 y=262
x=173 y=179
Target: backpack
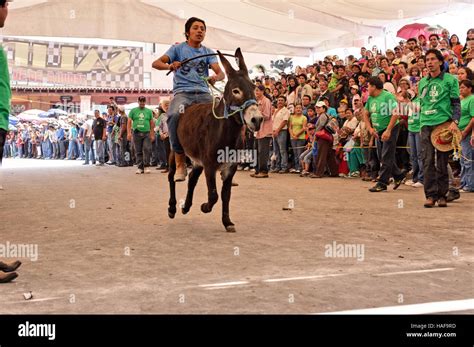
x=331 y=125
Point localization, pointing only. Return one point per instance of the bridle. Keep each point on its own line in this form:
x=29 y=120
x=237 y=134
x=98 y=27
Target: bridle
x=229 y=110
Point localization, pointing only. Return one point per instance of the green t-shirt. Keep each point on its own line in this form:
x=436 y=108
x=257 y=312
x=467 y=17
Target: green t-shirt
x=380 y=109
x=333 y=83
x=436 y=94
x=5 y=92
x=297 y=123
x=414 y=116
x=141 y=119
x=116 y=132
x=467 y=111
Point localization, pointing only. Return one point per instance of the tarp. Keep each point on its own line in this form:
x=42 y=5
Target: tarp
x=290 y=28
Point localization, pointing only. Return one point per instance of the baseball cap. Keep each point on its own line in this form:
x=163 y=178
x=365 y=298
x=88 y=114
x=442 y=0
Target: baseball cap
x=320 y=104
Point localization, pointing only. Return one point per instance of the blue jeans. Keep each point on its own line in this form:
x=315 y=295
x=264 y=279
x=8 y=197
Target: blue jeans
x=298 y=148
x=89 y=150
x=177 y=106
x=46 y=149
x=110 y=147
x=307 y=156
x=80 y=149
x=415 y=156
x=73 y=149
x=467 y=172
x=99 y=148
x=280 y=150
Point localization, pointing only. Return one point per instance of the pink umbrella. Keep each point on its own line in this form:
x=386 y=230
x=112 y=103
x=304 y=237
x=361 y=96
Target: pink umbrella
x=412 y=30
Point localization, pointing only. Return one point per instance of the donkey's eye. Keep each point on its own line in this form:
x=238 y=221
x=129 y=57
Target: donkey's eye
x=236 y=91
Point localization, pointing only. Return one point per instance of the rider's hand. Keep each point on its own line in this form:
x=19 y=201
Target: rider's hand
x=212 y=79
x=175 y=65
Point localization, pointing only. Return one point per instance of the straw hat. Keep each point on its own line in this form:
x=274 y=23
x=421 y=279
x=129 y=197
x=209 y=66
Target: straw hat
x=443 y=139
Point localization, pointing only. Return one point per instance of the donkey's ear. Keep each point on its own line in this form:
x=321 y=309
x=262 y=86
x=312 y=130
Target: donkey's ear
x=239 y=58
x=229 y=70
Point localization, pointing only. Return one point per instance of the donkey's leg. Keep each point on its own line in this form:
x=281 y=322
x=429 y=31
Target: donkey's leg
x=212 y=195
x=227 y=176
x=172 y=170
x=193 y=179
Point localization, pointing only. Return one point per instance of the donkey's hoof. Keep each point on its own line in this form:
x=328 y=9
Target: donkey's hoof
x=230 y=229
x=185 y=210
x=205 y=208
x=171 y=214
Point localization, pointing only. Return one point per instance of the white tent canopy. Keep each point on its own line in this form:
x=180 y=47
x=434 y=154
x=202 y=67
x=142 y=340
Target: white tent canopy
x=283 y=27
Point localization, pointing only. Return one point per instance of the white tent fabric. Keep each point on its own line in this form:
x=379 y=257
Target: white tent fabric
x=283 y=27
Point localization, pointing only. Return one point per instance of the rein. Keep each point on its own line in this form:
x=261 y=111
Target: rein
x=200 y=56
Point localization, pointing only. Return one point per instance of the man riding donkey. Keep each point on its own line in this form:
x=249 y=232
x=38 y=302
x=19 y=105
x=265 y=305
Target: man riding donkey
x=206 y=127
x=189 y=82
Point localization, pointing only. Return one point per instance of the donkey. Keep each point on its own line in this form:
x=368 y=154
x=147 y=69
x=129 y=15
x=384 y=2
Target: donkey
x=202 y=135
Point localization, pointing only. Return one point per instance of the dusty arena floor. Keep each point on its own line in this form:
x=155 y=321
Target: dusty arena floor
x=106 y=245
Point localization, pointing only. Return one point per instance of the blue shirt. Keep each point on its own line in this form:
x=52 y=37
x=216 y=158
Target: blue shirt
x=60 y=134
x=188 y=77
x=332 y=112
x=73 y=132
x=113 y=118
x=305 y=112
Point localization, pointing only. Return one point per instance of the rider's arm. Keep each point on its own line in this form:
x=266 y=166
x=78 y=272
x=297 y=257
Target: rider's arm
x=218 y=71
x=162 y=63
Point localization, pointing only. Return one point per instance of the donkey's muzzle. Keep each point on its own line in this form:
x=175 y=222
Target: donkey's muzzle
x=256 y=122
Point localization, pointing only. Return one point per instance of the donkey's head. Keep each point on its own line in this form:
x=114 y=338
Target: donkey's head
x=239 y=90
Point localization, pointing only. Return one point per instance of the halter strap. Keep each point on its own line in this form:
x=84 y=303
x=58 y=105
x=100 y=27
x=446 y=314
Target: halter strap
x=239 y=109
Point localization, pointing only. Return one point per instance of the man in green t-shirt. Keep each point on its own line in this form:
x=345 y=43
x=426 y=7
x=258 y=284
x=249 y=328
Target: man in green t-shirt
x=5 y=92
x=466 y=125
x=140 y=122
x=440 y=102
x=381 y=119
x=7 y=271
x=414 y=143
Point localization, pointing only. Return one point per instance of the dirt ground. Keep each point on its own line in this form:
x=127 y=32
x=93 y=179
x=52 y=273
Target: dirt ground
x=106 y=245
